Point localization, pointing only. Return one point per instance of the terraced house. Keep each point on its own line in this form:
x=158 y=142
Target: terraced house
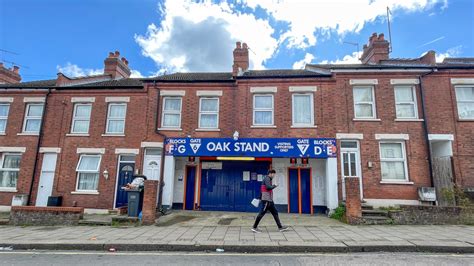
x=210 y=137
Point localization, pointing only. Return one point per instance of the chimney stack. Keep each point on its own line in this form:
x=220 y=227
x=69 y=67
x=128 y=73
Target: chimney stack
x=9 y=76
x=116 y=67
x=241 y=59
x=376 y=51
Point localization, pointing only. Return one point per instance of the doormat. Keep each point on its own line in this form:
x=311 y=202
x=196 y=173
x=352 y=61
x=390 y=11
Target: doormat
x=225 y=221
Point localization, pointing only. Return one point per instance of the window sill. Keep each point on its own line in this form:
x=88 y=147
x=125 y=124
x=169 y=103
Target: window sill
x=207 y=129
x=3 y=134
x=28 y=134
x=263 y=126
x=366 y=119
x=397 y=182
x=6 y=189
x=169 y=129
x=409 y=120
x=465 y=120
x=113 y=135
x=309 y=126
x=77 y=135
x=85 y=192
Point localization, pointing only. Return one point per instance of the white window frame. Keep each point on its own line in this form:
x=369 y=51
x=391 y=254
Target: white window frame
x=413 y=103
x=311 y=97
x=2 y=131
x=272 y=109
x=216 y=113
x=115 y=119
x=10 y=169
x=97 y=171
x=74 y=118
x=462 y=101
x=28 y=105
x=374 y=114
x=405 y=165
x=173 y=112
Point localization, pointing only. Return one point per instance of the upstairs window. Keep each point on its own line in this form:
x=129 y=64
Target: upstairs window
x=209 y=113
x=116 y=118
x=81 y=118
x=32 y=123
x=263 y=109
x=405 y=102
x=364 y=103
x=171 y=112
x=4 y=108
x=465 y=101
x=303 y=109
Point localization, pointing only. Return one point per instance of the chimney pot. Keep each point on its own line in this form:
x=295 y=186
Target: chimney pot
x=117 y=53
x=16 y=69
x=376 y=50
x=381 y=37
x=245 y=45
x=114 y=66
x=111 y=54
x=238 y=45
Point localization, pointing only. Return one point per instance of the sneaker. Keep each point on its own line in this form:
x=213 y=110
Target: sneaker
x=256 y=230
x=284 y=228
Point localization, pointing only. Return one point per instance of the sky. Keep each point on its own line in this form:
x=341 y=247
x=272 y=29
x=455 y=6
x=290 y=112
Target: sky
x=74 y=37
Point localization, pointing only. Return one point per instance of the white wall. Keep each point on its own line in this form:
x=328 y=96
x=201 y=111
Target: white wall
x=280 y=194
x=318 y=172
x=331 y=183
x=179 y=169
x=168 y=178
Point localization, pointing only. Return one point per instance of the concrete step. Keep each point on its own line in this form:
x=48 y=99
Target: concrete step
x=366 y=207
x=4 y=221
x=374 y=220
x=372 y=212
x=95 y=223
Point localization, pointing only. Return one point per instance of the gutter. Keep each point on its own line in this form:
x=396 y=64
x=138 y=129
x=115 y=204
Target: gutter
x=425 y=123
x=40 y=138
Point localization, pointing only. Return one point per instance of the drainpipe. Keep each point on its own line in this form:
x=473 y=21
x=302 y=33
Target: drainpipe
x=40 y=137
x=425 y=123
x=162 y=167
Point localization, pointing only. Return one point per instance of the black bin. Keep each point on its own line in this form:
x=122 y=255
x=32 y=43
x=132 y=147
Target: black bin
x=55 y=201
x=135 y=202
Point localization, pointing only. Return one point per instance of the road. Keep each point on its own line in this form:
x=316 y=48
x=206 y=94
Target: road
x=180 y=258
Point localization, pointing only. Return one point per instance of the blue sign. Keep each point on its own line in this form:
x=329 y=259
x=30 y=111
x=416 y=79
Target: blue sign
x=252 y=147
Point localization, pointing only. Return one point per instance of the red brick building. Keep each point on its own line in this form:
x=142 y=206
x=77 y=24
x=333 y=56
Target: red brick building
x=391 y=120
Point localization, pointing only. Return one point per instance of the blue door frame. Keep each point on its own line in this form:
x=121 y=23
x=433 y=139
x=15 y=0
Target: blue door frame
x=125 y=176
x=190 y=187
x=300 y=190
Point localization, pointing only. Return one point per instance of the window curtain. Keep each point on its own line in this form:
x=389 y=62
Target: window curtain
x=88 y=181
x=172 y=104
x=171 y=120
x=83 y=111
x=263 y=117
x=116 y=126
x=392 y=169
x=208 y=105
x=4 y=110
x=302 y=107
x=89 y=163
x=209 y=120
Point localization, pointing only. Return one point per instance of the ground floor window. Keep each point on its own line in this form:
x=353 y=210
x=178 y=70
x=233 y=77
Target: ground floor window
x=10 y=167
x=393 y=161
x=88 y=172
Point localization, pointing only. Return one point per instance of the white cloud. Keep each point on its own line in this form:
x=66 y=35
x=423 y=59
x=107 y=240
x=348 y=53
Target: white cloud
x=306 y=60
x=451 y=52
x=347 y=59
x=73 y=70
x=305 y=17
x=201 y=37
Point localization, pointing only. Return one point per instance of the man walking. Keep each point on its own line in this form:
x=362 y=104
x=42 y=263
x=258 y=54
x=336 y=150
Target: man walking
x=267 y=202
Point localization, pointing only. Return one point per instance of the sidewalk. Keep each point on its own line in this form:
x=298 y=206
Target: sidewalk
x=322 y=235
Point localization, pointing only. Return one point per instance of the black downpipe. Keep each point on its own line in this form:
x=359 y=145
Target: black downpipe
x=162 y=167
x=425 y=124
x=40 y=137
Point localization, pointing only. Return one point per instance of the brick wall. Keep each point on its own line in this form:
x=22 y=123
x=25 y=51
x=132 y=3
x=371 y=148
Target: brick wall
x=149 y=202
x=353 y=204
x=28 y=215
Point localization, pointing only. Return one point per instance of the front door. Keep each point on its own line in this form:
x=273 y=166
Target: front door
x=190 y=188
x=45 y=186
x=299 y=190
x=350 y=164
x=125 y=176
x=152 y=163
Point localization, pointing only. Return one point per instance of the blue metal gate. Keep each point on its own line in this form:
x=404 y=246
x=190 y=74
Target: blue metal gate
x=299 y=190
x=225 y=189
x=190 y=187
